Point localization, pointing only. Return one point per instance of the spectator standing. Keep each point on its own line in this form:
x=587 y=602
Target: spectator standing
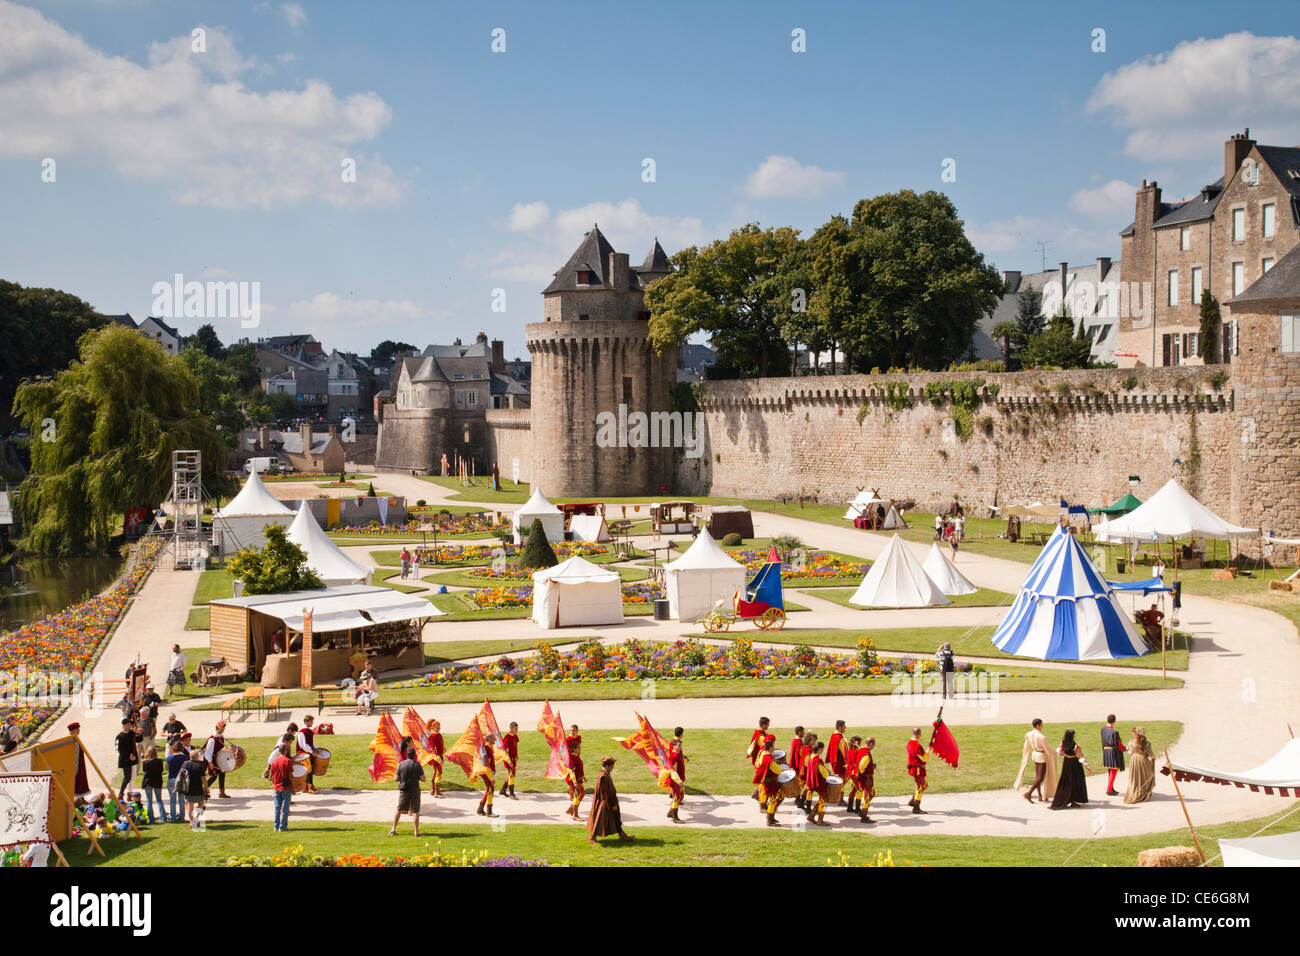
x=176 y=669
x=151 y=773
x=192 y=781
x=127 y=754
x=282 y=782
x=947 y=667
x=10 y=735
x=409 y=777
x=176 y=758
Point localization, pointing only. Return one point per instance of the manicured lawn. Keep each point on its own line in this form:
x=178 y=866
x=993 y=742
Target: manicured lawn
x=197 y=619
x=444 y=652
x=990 y=755
x=984 y=597
x=392 y=559
x=566 y=844
x=392 y=579
x=192 y=657
x=924 y=641
x=213 y=584
x=462 y=579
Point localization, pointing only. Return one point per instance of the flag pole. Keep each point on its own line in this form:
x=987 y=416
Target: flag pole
x=1174 y=777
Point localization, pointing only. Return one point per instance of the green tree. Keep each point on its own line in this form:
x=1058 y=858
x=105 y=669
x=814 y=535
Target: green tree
x=738 y=291
x=218 y=393
x=386 y=351
x=1029 y=312
x=275 y=407
x=537 y=552
x=41 y=330
x=1008 y=332
x=1211 y=326
x=277 y=567
x=1058 y=346
x=205 y=340
x=104 y=430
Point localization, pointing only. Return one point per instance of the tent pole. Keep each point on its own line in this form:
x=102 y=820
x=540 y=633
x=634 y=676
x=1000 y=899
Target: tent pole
x=1195 y=839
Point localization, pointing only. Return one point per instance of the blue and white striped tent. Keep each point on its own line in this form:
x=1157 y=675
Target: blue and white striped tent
x=1066 y=611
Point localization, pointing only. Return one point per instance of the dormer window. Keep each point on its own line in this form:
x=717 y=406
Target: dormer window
x=585 y=277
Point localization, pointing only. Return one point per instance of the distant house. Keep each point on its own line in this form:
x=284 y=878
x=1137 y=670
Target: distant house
x=161 y=332
x=692 y=362
x=308 y=451
x=1085 y=292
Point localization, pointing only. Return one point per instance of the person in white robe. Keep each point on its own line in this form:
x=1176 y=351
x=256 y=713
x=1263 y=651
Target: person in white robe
x=1038 y=753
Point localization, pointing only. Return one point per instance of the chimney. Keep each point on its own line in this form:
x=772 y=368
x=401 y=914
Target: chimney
x=1236 y=149
x=480 y=338
x=618 y=271
x=1103 y=266
x=1012 y=278
x=1146 y=208
x=498 y=356
x=305 y=431
x=333 y=430
x=1061 y=271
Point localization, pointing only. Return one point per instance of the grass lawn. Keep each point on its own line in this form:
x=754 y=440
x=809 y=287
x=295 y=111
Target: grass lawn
x=444 y=652
x=460 y=607
x=192 y=657
x=197 y=620
x=990 y=756
x=966 y=642
x=1040 y=679
x=392 y=559
x=392 y=579
x=566 y=844
x=459 y=578
x=213 y=584
x=984 y=597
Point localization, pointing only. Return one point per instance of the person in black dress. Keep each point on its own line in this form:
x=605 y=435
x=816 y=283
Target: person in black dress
x=1072 y=790
x=127 y=754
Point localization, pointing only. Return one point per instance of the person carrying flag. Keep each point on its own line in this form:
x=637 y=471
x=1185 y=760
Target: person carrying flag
x=677 y=787
x=916 y=759
x=576 y=791
x=865 y=779
x=486 y=773
x=510 y=744
x=437 y=749
x=765 y=774
x=815 y=774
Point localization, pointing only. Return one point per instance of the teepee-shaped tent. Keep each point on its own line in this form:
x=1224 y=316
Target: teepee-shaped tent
x=897 y=580
x=537 y=506
x=241 y=523
x=945 y=574
x=1066 y=611
x=323 y=556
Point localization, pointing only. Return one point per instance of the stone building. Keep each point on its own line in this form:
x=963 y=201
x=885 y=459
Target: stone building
x=591 y=357
x=1222 y=239
x=1087 y=293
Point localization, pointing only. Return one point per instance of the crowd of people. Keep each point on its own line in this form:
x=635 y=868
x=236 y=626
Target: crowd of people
x=1069 y=787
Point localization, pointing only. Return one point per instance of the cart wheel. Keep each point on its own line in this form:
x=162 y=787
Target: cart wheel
x=773 y=619
x=711 y=624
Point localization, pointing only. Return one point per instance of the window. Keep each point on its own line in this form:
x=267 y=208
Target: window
x=584 y=277
x=1197 y=275
x=467 y=399
x=1265 y=265
x=1168 y=356
x=1191 y=344
x=1238 y=277
x=1234 y=336
x=1239 y=225
x=1225 y=336
x=1291 y=333
x=1185 y=238
x=583 y=318
x=627 y=390
x=1173 y=286
x=1266 y=216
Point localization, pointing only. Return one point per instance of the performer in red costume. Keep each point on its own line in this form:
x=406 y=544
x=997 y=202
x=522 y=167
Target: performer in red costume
x=794 y=757
x=678 y=758
x=916 y=758
x=765 y=773
x=815 y=774
x=510 y=744
x=1112 y=754
x=489 y=761
x=851 y=773
x=576 y=791
x=836 y=753
x=439 y=750
x=755 y=747
x=865 y=779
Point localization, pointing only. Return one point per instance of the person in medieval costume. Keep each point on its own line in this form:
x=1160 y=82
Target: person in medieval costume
x=1112 y=754
x=1038 y=753
x=1141 y=768
x=605 y=818
x=1072 y=788
x=81 y=784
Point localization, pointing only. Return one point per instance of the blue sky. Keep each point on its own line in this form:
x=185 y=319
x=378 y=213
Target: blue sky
x=480 y=170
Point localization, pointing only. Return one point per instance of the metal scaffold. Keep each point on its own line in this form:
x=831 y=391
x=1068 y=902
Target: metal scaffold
x=189 y=549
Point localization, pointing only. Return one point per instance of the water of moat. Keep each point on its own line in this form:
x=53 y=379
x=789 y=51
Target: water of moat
x=32 y=586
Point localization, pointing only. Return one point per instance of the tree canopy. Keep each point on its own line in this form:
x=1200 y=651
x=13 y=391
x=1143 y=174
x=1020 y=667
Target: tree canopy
x=386 y=351
x=1058 y=346
x=277 y=567
x=537 y=552
x=103 y=432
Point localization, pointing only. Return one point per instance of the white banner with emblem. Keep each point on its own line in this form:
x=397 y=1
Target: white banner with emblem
x=25 y=807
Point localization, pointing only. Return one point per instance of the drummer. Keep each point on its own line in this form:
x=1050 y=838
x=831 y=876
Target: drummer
x=766 y=771
x=216 y=743
x=286 y=739
x=306 y=743
x=865 y=779
x=837 y=753
x=815 y=774
x=794 y=757
x=851 y=772
x=805 y=751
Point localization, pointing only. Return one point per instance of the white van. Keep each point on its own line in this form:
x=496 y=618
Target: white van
x=259 y=465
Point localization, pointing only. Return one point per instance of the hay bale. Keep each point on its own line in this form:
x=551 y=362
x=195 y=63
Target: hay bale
x=1280 y=586
x=1170 y=856
x=1224 y=574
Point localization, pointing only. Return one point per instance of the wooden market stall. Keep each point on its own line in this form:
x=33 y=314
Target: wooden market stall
x=348 y=625
x=673 y=517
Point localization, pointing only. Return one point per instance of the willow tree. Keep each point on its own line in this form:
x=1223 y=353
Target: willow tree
x=103 y=432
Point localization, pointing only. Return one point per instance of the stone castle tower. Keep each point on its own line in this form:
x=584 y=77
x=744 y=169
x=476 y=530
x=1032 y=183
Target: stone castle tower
x=590 y=356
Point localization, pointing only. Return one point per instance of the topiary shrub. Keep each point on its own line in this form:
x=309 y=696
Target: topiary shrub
x=732 y=540
x=537 y=552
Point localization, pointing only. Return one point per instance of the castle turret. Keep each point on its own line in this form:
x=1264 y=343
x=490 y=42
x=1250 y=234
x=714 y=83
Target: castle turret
x=592 y=366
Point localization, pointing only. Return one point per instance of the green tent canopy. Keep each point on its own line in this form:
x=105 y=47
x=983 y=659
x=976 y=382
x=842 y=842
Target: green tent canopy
x=1126 y=504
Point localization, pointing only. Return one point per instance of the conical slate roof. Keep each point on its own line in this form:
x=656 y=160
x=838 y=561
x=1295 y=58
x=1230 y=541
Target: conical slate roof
x=253 y=499
x=592 y=255
x=323 y=556
x=656 y=260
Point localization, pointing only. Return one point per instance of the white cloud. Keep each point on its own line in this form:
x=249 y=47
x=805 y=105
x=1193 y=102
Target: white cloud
x=293 y=14
x=784 y=177
x=331 y=307
x=1179 y=103
x=1109 y=201
x=186 y=120
x=525 y=217
x=1019 y=234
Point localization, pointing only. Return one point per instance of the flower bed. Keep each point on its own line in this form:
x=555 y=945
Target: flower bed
x=816 y=565
x=471 y=554
x=689 y=659
x=637 y=592
x=296 y=856
x=473 y=523
x=66 y=642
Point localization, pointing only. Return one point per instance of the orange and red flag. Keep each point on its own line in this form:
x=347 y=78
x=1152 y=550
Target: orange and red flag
x=420 y=734
x=550 y=726
x=650 y=746
x=465 y=752
x=387 y=748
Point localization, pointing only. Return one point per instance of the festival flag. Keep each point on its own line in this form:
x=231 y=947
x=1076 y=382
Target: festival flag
x=550 y=726
x=466 y=752
x=650 y=745
x=420 y=735
x=387 y=747
x=942 y=741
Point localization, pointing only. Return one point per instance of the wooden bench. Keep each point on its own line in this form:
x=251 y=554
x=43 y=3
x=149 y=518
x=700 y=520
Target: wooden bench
x=341 y=697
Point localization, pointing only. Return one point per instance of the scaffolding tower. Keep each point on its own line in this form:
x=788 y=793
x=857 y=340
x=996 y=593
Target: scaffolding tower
x=189 y=550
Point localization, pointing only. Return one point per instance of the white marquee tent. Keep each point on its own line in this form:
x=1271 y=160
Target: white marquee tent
x=1170 y=513
x=864 y=500
x=323 y=556
x=537 y=507
x=945 y=574
x=241 y=523
x=576 y=593
x=587 y=528
x=700 y=578
x=897 y=580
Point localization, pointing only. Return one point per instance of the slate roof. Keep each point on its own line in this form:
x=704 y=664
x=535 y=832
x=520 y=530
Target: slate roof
x=592 y=255
x=124 y=319
x=1197 y=209
x=161 y=324
x=1278 y=284
x=656 y=261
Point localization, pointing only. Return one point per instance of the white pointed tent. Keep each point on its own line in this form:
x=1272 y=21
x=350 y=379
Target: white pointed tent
x=945 y=574
x=587 y=528
x=1170 y=513
x=241 y=523
x=1066 y=611
x=576 y=593
x=323 y=556
x=893 y=520
x=897 y=579
x=537 y=507
x=863 y=501
x=701 y=577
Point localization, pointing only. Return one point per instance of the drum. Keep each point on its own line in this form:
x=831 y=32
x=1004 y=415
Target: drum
x=226 y=761
x=321 y=762
x=789 y=783
x=240 y=756
x=778 y=755
x=299 y=778
x=834 y=789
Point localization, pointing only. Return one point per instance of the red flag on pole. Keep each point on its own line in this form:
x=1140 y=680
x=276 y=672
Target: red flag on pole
x=943 y=743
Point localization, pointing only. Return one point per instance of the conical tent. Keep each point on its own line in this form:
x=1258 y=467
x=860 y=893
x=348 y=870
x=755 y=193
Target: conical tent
x=1170 y=513
x=538 y=507
x=323 y=556
x=253 y=499
x=700 y=578
x=242 y=522
x=893 y=520
x=897 y=580
x=1066 y=611
x=1130 y=502
x=944 y=573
